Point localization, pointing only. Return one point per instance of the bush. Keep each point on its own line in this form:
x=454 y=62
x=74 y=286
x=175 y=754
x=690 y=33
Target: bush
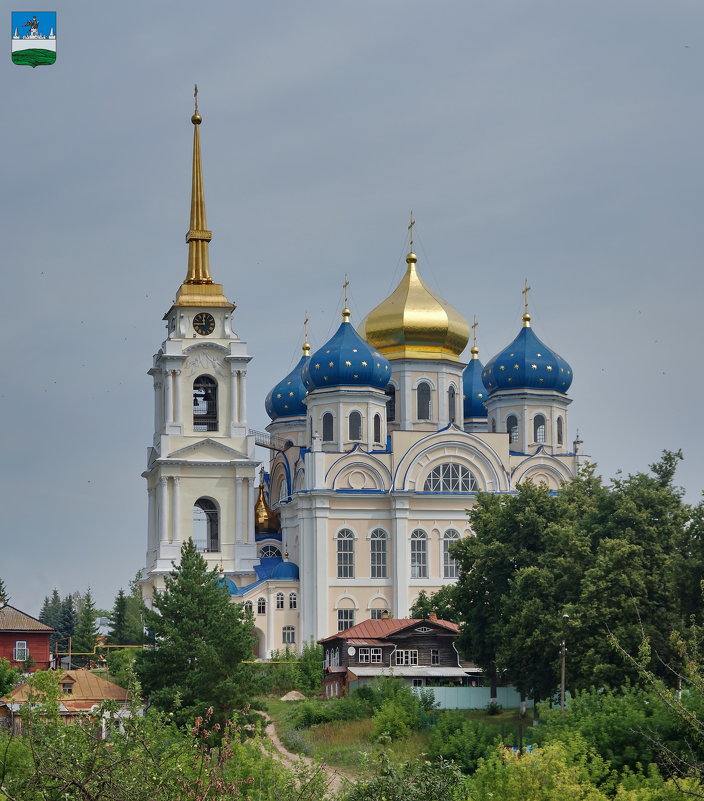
x=393 y=720
x=493 y=708
x=313 y=711
x=463 y=741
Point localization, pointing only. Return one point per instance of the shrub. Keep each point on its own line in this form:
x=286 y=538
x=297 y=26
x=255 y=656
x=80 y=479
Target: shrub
x=463 y=741
x=313 y=711
x=493 y=708
x=393 y=720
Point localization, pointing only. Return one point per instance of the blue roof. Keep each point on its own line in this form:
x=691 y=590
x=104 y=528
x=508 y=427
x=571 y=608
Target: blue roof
x=474 y=391
x=271 y=567
x=286 y=398
x=346 y=360
x=286 y=570
x=527 y=363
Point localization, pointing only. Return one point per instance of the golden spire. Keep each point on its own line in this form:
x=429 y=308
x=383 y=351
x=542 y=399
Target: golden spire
x=474 y=350
x=345 y=312
x=526 y=317
x=266 y=520
x=306 y=343
x=198 y=288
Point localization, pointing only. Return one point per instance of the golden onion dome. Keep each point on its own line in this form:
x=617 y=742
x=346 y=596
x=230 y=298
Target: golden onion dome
x=414 y=323
x=266 y=520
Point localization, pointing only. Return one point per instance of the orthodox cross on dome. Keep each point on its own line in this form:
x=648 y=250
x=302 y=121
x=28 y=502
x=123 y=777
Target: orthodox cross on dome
x=306 y=343
x=195 y=97
x=410 y=228
x=345 y=310
x=474 y=331
x=526 y=289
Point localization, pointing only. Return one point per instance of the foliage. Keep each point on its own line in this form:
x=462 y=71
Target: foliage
x=313 y=711
x=287 y=670
x=442 y=603
x=462 y=741
x=85 y=634
x=493 y=708
x=393 y=720
x=9 y=676
x=605 y=556
x=4 y=594
x=200 y=640
x=127 y=616
x=121 y=666
x=51 y=615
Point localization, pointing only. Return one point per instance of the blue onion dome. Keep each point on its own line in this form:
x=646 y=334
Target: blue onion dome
x=473 y=388
x=346 y=360
x=527 y=363
x=228 y=584
x=285 y=571
x=286 y=398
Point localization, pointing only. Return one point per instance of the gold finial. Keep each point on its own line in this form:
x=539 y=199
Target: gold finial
x=306 y=343
x=474 y=350
x=345 y=312
x=410 y=228
x=526 y=317
x=196 y=119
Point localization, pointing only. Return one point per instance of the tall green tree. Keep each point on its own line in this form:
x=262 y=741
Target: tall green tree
x=117 y=634
x=85 y=634
x=51 y=615
x=4 y=595
x=440 y=603
x=200 y=640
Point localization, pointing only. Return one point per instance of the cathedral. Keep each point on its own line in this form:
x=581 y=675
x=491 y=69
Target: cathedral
x=379 y=441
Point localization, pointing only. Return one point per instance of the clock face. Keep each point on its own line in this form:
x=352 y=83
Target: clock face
x=204 y=323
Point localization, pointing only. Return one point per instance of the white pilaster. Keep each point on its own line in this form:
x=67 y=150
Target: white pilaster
x=269 y=621
x=151 y=519
x=406 y=411
x=249 y=533
x=162 y=505
x=233 y=397
x=243 y=397
x=238 y=509
x=168 y=398
x=176 y=511
x=177 y=396
x=400 y=559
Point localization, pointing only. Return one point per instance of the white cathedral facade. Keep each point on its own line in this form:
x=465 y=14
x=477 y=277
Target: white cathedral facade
x=379 y=442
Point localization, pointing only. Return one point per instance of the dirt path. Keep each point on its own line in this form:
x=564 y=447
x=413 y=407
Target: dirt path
x=290 y=760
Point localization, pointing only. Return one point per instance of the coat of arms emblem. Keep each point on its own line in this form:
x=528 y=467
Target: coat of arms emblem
x=33 y=37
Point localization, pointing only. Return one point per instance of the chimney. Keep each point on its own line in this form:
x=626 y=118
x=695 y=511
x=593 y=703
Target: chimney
x=433 y=616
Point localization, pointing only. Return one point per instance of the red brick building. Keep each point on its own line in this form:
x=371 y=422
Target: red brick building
x=24 y=639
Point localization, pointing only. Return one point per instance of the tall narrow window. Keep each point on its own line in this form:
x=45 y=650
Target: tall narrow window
x=538 y=428
x=493 y=425
x=559 y=431
x=391 y=403
x=512 y=428
x=20 y=652
x=423 y=401
x=279 y=600
x=451 y=404
x=377 y=428
x=248 y=607
x=345 y=554
x=419 y=554
x=206 y=526
x=355 y=426
x=288 y=635
x=205 y=404
x=327 y=427
x=261 y=606
x=378 y=552
x=449 y=565
x=345 y=620
x=292 y=600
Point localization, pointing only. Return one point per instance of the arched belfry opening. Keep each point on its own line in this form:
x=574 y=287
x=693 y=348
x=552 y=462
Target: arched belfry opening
x=205 y=404
x=206 y=525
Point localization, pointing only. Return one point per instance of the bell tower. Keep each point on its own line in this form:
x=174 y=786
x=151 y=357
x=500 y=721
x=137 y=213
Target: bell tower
x=200 y=467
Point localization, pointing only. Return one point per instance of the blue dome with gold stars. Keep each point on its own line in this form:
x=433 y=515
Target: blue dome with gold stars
x=346 y=360
x=473 y=387
x=527 y=363
x=286 y=398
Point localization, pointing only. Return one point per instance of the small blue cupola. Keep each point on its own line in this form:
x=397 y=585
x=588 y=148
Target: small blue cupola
x=473 y=388
x=286 y=398
x=346 y=360
x=527 y=363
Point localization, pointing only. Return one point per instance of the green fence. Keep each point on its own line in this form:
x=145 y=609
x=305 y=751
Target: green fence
x=473 y=697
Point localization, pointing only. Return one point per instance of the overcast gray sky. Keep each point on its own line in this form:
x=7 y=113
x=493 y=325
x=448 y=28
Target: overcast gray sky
x=555 y=141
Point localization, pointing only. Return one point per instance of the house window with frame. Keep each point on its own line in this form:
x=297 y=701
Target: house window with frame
x=378 y=546
x=376 y=655
x=363 y=656
x=205 y=404
x=292 y=600
x=450 y=477
x=419 y=554
x=423 y=401
x=261 y=606
x=407 y=657
x=434 y=656
x=279 y=600
x=288 y=635
x=20 y=652
x=512 y=428
x=355 y=426
x=451 y=404
x=449 y=565
x=328 y=427
x=377 y=428
x=539 y=428
x=345 y=619
x=418 y=682
x=345 y=553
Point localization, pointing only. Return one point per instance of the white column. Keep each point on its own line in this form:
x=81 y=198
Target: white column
x=233 y=396
x=406 y=397
x=442 y=405
x=177 y=395
x=341 y=428
x=151 y=518
x=162 y=509
x=243 y=397
x=400 y=562
x=168 y=397
x=249 y=533
x=238 y=509
x=158 y=405
x=176 y=511
x=270 y=622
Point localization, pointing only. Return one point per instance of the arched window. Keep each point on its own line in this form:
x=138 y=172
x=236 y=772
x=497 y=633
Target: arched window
x=345 y=554
x=451 y=404
x=450 y=477
x=512 y=428
x=261 y=606
x=248 y=607
x=292 y=600
x=270 y=552
x=391 y=403
x=538 y=428
x=279 y=600
x=559 y=431
x=493 y=425
x=206 y=527
x=423 y=401
x=328 y=434
x=288 y=635
x=205 y=404
x=419 y=554
x=377 y=428
x=355 y=426
x=449 y=565
x=379 y=553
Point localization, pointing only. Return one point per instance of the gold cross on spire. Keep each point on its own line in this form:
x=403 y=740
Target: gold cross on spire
x=410 y=228
x=526 y=289
x=306 y=320
x=345 y=311
x=195 y=97
x=474 y=331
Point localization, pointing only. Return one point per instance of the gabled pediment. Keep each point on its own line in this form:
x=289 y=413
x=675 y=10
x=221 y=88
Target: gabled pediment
x=205 y=450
